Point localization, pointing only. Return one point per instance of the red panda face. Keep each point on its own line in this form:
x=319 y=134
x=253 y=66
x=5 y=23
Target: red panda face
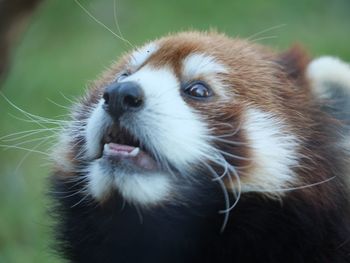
x=182 y=130
x=185 y=107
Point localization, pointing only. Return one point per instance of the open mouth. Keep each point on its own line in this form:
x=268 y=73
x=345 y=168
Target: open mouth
x=120 y=146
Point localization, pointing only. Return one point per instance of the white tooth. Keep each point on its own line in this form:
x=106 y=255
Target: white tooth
x=106 y=148
x=134 y=152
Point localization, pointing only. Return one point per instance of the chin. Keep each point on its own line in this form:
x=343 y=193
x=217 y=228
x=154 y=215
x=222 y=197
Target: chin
x=197 y=147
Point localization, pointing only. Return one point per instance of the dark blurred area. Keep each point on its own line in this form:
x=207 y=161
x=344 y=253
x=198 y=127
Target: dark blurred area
x=14 y=16
x=56 y=48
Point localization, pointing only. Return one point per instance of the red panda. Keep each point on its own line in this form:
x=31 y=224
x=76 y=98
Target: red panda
x=198 y=147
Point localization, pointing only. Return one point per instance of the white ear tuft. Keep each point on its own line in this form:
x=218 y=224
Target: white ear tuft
x=327 y=71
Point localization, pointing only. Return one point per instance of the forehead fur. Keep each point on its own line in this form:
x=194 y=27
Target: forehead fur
x=231 y=52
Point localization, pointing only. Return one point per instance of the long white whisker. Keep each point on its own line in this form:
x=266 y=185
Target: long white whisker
x=39 y=122
x=29 y=153
x=70 y=195
x=59 y=105
x=102 y=24
x=117 y=23
x=223 y=173
x=81 y=200
x=24 y=134
x=68 y=99
x=297 y=187
x=239 y=190
x=235 y=143
x=264 y=31
x=225 y=193
x=234 y=156
x=35 y=140
x=23 y=148
x=264 y=38
x=29 y=115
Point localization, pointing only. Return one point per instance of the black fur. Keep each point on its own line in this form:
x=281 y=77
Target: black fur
x=259 y=229
x=337 y=103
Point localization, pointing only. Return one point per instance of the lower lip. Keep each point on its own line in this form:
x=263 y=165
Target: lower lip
x=131 y=154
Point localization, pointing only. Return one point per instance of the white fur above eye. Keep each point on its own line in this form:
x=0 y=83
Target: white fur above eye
x=274 y=153
x=141 y=55
x=197 y=64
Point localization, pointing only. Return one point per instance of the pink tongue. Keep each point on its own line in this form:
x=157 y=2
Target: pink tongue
x=121 y=147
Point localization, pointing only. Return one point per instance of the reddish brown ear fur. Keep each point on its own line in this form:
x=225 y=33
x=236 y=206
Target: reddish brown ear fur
x=294 y=62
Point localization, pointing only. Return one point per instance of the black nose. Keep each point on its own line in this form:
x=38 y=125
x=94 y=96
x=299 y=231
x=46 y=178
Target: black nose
x=123 y=97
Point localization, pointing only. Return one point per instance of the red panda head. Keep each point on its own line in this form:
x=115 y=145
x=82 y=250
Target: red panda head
x=191 y=107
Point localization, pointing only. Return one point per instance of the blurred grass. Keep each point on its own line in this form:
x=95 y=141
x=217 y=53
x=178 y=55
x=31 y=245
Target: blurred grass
x=64 y=48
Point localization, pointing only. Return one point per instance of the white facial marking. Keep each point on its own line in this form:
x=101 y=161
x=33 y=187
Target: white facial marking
x=328 y=70
x=100 y=183
x=200 y=64
x=143 y=189
x=167 y=124
x=140 y=56
x=95 y=129
x=274 y=153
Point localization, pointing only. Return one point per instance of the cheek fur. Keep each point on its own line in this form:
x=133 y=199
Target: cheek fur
x=95 y=129
x=274 y=153
x=99 y=181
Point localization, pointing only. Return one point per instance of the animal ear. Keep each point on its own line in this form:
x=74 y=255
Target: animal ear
x=294 y=62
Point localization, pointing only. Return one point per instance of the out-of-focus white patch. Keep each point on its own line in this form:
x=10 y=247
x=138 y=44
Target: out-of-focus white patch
x=274 y=153
x=327 y=74
x=141 y=55
x=95 y=130
x=328 y=70
x=166 y=124
x=60 y=152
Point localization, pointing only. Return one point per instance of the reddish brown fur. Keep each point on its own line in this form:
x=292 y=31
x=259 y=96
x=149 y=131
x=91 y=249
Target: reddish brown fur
x=257 y=77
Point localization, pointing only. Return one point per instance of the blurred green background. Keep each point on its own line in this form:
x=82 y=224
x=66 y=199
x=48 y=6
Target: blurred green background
x=63 y=49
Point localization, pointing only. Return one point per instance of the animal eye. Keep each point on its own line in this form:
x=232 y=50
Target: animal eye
x=198 y=90
x=122 y=76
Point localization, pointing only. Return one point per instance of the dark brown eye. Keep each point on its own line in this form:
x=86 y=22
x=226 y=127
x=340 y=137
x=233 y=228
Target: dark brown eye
x=198 y=90
x=122 y=76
